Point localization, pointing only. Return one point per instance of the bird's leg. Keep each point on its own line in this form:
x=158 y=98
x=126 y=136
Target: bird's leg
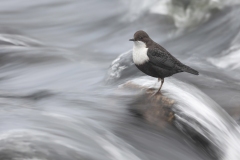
x=162 y=81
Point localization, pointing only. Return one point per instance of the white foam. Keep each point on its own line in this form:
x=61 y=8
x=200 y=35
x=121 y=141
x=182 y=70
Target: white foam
x=119 y=64
x=228 y=60
x=137 y=8
x=185 y=14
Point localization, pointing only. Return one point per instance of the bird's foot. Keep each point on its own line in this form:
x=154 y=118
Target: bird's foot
x=155 y=94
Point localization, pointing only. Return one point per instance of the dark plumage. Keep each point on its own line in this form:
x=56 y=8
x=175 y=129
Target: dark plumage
x=154 y=60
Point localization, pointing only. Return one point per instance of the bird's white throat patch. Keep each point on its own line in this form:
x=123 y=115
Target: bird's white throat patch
x=140 y=53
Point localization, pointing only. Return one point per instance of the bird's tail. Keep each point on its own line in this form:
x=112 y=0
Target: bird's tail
x=190 y=70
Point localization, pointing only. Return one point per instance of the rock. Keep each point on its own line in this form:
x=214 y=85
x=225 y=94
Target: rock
x=189 y=110
x=154 y=108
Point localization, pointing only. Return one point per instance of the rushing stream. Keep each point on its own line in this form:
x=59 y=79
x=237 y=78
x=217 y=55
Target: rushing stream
x=62 y=63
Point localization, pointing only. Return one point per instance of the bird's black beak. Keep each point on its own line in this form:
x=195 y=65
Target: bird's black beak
x=131 y=39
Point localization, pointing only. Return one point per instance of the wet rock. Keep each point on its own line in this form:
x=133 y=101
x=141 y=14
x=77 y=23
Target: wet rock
x=154 y=108
x=189 y=110
x=158 y=110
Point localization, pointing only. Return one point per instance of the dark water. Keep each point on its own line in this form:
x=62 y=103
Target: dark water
x=60 y=101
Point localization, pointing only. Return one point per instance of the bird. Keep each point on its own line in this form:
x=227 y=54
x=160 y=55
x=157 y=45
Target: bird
x=154 y=60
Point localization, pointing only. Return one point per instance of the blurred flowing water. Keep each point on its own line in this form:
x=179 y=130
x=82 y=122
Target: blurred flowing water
x=60 y=101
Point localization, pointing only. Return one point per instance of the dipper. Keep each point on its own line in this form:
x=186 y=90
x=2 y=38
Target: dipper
x=154 y=60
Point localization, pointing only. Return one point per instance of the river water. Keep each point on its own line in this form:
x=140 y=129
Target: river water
x=60 y=94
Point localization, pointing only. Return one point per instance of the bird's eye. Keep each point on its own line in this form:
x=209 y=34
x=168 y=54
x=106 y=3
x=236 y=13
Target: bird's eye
x=141 y=37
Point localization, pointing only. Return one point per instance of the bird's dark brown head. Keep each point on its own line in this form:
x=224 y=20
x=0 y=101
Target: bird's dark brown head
x=141 y=36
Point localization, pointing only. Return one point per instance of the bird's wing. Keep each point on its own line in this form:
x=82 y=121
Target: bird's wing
x=163 y=59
